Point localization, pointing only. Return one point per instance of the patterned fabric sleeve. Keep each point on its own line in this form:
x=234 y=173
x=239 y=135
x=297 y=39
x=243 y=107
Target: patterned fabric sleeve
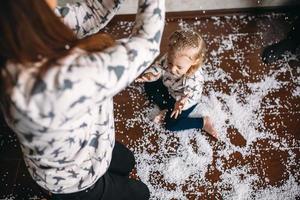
x=108 y=72
x=193 y=88
x=157 y=68
x=88 y=17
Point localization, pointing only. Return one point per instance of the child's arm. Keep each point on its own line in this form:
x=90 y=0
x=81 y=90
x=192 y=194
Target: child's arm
x=88 y=17
x=191 y=93
x=154 y=72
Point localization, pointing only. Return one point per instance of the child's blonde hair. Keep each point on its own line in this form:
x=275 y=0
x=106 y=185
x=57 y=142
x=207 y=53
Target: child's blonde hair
x=182 y=39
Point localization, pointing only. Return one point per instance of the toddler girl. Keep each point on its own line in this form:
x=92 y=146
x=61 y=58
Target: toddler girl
x=175 y=82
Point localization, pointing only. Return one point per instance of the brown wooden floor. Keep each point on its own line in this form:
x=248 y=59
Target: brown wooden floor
x=258 y=153
x=240 y=168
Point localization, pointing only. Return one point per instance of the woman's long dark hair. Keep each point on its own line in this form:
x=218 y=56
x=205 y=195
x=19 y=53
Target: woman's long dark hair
x=30 y=31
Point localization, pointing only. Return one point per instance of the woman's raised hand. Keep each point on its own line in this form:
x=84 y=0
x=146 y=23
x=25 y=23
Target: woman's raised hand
x=147 y=77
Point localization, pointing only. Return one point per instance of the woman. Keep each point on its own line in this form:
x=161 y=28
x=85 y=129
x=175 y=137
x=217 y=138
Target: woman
x=57 y=97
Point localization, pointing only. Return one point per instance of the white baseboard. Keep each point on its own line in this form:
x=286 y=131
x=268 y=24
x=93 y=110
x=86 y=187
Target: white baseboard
x=130 y=6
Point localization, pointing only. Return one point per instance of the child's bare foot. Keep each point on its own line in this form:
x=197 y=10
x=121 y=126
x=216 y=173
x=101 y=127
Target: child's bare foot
x=159 y=117
x=209 y=128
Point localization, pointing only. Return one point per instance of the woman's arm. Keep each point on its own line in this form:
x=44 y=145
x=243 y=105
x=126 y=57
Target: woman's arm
x=88 y=17
x=104 y=74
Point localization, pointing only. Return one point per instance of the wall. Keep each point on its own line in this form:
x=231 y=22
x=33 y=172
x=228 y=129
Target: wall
x=130 y=6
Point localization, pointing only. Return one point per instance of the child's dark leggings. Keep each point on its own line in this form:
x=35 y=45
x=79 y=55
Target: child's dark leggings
x=159 y=94
x=115 y=183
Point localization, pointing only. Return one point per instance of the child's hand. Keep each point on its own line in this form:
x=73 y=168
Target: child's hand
x=178 y=107
x=177 y=110
x=147 y=77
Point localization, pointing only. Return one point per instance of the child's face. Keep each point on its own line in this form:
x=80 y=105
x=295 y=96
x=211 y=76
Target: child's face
x=180 y=62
